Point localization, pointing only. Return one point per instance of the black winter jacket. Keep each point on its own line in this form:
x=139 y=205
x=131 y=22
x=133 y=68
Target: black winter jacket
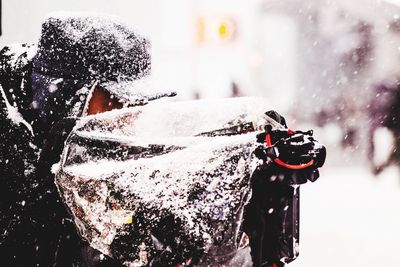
x=36 y=229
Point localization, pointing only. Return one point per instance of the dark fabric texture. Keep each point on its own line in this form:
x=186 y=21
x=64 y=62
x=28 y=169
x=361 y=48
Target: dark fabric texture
x=51 y=106
x=17 y=181
x=15 y=71
x=36 y=229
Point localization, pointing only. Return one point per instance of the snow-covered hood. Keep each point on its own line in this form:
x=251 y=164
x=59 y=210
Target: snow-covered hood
x=126 y=174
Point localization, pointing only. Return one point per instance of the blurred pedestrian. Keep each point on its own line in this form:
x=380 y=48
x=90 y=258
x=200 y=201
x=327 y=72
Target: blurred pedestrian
x=384 y=112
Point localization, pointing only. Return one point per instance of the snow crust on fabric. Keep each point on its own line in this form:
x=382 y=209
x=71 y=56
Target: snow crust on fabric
x=199 y=186
x=15 y=69
x=115 y=52
x=137 y=92
x=161 y=183
x=13 y=114
x=15 y=57
x=173 y=119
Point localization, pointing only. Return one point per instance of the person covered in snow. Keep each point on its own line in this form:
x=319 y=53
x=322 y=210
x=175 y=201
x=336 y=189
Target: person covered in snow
x=87 y=65
x=83 y=64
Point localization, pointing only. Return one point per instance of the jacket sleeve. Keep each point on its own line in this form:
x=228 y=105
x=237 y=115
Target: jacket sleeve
x=15 y=70
x=17 y=152
x=17 y=157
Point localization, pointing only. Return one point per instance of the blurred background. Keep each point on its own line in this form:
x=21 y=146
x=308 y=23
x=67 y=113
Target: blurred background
x=333 y=66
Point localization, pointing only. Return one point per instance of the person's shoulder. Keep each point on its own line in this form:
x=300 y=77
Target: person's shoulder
x=16 y=58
